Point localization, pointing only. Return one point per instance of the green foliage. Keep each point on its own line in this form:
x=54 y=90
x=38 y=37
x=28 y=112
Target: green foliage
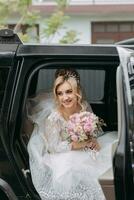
x=69 y=37
x=55 y=23
x=29 y=36
x=52 y=25
x=62 y=4
x=3 y=11
x=20 y=8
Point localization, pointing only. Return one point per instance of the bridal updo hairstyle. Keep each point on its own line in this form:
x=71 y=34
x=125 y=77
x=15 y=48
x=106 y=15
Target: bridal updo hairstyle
x=73 y=78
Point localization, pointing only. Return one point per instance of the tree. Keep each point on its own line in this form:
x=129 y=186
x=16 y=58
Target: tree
x=29 y=18
x=55 y=23
x=10 y=9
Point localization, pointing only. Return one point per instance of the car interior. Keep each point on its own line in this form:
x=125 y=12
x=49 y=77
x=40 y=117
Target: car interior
x=99 y=87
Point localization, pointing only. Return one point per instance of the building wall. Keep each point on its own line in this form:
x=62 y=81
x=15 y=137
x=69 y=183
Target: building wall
x=84 y=26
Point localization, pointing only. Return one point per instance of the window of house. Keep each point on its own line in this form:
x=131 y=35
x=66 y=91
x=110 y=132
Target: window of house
x=99 y=28
x=112 y=28
x=111 y=32
x=125 y=28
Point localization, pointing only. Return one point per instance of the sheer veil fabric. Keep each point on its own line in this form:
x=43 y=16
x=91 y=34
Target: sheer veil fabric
x=59 y=173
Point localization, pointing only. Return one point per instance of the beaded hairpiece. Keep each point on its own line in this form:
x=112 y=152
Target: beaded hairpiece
x=68 y=73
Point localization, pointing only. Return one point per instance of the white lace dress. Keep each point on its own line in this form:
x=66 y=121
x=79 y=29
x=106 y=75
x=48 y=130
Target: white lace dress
x=59 y=173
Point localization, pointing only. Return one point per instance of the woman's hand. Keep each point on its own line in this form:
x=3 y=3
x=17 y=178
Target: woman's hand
x=79 y=145
x=92 y=144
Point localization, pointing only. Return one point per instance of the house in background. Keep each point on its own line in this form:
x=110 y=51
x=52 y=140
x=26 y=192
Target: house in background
x=96 y=21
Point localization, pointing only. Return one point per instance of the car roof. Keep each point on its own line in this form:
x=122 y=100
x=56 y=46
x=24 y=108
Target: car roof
x=94 y=50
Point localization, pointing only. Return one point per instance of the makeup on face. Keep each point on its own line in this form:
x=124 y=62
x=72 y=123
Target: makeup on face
x=66 y=95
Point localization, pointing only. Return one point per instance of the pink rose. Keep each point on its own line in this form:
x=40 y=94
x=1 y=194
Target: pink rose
x=74 y=138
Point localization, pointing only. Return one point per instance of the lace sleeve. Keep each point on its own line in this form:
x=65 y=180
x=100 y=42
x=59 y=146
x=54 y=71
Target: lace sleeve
x=53 y=136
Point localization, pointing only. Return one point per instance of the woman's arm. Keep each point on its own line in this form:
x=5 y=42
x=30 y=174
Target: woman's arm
x=54 y=141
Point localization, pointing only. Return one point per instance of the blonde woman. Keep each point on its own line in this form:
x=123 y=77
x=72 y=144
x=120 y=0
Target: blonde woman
x=63 y=170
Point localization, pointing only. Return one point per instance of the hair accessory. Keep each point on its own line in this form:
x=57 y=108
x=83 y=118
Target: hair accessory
x=67 y=73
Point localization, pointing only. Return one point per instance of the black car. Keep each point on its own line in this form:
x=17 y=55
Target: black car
x=109 y=84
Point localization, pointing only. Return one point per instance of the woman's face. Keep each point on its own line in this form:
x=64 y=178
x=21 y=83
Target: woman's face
x=66 y=95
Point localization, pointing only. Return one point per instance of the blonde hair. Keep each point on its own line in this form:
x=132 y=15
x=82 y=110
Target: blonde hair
x=75 y=85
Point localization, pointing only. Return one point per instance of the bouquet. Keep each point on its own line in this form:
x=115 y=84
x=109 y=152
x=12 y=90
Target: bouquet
x=83 y=126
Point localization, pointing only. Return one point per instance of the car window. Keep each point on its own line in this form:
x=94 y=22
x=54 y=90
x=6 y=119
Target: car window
x=92 y=82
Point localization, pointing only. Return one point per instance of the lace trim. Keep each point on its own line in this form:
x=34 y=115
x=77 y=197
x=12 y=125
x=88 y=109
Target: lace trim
x=55 y=115
x=81 y=192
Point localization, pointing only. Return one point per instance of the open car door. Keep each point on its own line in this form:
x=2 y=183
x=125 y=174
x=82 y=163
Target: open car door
x=124 y=155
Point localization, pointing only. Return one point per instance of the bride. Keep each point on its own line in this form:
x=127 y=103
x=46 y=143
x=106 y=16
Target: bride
x=63 y=170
